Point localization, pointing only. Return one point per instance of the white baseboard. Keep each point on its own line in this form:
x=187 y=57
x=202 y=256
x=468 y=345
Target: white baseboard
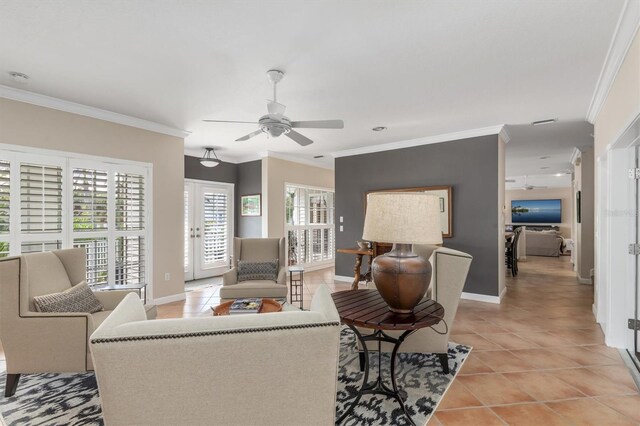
x=482 y=297
x=169 y=299
x=503 y=293
x=584 y=280
x=343 y=278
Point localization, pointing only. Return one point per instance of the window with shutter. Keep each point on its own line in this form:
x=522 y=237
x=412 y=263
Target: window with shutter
x=130 y=260
x=89 y=200
x=97 y=250
x=187 y=233
x=129 y=201
x=5 y=204
x=40 y=198
x=216 y=227
x=40 y=246
x=309 y=224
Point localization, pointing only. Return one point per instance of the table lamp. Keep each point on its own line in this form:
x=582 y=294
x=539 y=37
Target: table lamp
x=402 y=218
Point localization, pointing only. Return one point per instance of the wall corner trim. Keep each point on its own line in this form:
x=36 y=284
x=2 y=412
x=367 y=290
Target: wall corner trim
x=428 y=140
x=88 y=111
x=169 y=299
x=623 y=36
x=295 y=159
x=483 y=297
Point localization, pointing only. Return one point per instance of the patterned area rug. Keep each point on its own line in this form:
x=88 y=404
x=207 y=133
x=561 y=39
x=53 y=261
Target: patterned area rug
x=72 y=399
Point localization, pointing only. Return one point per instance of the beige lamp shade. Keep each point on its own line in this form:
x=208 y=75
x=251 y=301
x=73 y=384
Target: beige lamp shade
x=403 y=217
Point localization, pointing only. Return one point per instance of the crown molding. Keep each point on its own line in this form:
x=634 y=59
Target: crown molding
x=623 y=37
x=88 y=111
x=505 y=135
x=576 y=155
x=294 y=159
x=446 y=137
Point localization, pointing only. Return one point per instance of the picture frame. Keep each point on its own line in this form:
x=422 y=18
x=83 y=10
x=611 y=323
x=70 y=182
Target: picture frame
x=251 y=205
x=445 y=193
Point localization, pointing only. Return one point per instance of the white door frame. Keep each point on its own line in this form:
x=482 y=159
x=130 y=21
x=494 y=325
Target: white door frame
x=615 y=230
x=230 y=187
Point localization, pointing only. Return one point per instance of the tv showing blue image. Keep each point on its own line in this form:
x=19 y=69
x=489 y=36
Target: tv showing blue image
x=536 y=211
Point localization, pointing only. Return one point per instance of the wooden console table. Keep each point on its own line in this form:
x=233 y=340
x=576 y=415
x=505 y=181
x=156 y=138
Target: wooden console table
x=357 y=275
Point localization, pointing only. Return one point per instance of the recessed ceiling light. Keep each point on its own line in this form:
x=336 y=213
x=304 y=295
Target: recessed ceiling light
x=547 y=121
x=379 y=129
x=544 y=157
x=318 y=156
x=18 y=77
x=559 y=174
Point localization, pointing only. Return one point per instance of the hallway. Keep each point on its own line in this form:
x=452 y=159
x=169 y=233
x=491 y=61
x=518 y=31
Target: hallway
x=539 y=357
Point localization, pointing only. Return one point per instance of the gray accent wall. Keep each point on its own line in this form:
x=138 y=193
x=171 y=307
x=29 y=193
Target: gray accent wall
x=470 y=166
x=247 y=179
x=249 y=182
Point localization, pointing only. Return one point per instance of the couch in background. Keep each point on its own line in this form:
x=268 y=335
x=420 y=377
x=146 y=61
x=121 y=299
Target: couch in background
x=543 y=243
x=253 y=369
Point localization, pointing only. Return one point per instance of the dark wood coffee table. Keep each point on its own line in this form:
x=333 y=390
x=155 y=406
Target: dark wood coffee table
x=366 y=309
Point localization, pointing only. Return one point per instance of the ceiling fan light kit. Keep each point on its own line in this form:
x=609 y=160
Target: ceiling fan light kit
x=276 y=124
x=206 y=159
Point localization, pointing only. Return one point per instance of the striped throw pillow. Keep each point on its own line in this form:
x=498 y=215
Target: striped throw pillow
x=251 y=271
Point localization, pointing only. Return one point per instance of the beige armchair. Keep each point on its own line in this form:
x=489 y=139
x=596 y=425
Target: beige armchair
x=255 y=369
x=450 y=268
x=38 y=342
x=255 y=250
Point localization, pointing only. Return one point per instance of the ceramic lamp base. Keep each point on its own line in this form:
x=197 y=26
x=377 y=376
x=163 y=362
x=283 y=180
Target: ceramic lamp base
x=402 y=278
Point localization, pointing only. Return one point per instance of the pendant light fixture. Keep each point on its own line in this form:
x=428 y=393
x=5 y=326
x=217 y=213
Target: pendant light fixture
x=206 y=159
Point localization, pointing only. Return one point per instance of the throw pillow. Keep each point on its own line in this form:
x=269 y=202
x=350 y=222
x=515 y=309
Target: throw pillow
x=78 y=298
x=250 y=271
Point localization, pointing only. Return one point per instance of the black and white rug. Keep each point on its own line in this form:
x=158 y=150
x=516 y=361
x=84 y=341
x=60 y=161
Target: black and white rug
x=72 y=399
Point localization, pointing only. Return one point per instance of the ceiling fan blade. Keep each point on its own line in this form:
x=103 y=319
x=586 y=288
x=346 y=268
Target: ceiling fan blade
x=300 y=139
x=319 y=124
x=224 y=121
x=249 y=136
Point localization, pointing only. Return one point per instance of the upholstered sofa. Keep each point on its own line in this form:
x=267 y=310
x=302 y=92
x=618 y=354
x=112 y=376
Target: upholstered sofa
x=255 y=250
x=449 y=274
x=252 y=369
x=38 y=342
x=543 y=243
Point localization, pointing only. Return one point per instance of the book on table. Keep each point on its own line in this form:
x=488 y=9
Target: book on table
x=246 y=306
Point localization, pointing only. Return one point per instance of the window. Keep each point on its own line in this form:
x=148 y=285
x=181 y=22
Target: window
x=309 y=222
x=53 y=202
x=215 y=230
x=5 y=206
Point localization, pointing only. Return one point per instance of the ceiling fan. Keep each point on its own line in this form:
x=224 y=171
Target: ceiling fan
x=525 y=186
x=275 y=123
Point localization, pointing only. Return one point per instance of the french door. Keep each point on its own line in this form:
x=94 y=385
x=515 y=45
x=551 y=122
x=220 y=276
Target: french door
x=633 y=346
x=208 y=228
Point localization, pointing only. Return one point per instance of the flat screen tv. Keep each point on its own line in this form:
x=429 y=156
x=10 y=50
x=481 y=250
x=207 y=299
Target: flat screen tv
x=536 y=211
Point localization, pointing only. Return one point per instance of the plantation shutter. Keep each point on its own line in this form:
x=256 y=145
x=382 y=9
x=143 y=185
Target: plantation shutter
x=129 y=202
x=40 y=198
x=5 y=200
x=216 y=227
x=130 y=260
x=89 y=200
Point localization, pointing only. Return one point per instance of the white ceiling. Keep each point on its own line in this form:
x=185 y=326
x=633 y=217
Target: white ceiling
x=421 y=68
x=541 y=152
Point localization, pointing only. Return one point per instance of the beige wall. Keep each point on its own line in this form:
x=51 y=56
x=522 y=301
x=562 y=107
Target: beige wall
x=623 y=101
x=277 y=172
x=39 y=127
x=565 y=194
